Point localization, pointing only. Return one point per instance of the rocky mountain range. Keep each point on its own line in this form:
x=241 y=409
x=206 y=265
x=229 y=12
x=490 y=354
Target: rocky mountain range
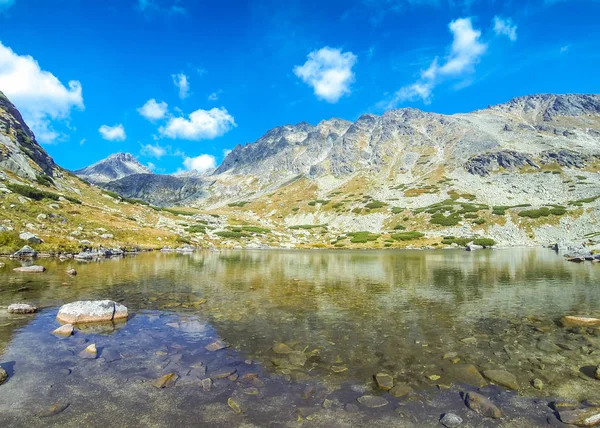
x=114 y=167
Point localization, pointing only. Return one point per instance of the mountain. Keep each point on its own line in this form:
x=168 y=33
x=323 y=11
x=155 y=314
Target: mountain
x=20 y=153
x=114 y=167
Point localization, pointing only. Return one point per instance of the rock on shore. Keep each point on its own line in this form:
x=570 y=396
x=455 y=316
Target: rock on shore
x=21 y=308
x=91 y=311
x=30 y=269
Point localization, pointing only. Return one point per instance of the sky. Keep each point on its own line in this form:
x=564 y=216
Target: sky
x=179 y=83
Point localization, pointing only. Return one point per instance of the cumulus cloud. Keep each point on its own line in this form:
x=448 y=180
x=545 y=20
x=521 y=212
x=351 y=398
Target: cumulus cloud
x=465 y=52
x=213 y=97
x=200 y=163
x=181 y=81
x=37 y=93
x=153 y=150
x=153 y=110
x=329 y=72
x=201 y=125
x=505 y=27
x=113 y=133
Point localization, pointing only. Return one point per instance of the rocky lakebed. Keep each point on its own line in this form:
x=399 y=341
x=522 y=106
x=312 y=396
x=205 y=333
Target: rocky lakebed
x=506 y=338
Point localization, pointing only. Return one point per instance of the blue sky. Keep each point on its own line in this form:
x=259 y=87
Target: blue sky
x=179 y=82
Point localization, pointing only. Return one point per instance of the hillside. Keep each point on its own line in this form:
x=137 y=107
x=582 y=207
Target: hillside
x=521 y=173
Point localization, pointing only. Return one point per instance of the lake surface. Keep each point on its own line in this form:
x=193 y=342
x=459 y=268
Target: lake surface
x=336 y=319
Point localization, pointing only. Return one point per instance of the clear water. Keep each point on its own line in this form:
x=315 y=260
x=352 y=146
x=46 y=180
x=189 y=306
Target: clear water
x=344 y=315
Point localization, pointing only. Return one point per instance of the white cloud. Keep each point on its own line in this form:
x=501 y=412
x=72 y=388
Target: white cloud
x=113 y=133
x=200 y=163
x=82 y=142
x=213 y=97
x=155 y=151
x=329 y=72
x=465 y=53
x=151 y=166
x=153 y=110
x=38 y=94
x=505 y=27
x=565 y=49
x=181 y=81
x=201 y=125
x=226 y=152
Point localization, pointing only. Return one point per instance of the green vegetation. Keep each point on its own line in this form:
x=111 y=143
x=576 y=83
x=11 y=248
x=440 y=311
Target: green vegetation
x=231 y=234
x=580 y=202
x=399 y=227
x=183 y=240
x=397 y=210
x=307 y=226
x=72 y=200
x=363 y=237
x=197 y=228
x=478 y=221
x=337 y=205
x=239 y=204
x=44 y=180
x=112 y=194
x=32 y=192
x=375 y=204
x=460 y=241
x=177 y=211
x=255 y=229
x=318 y=201
x=295 y=209
x=443 y=220
x=501 y=209
x=484 y=242
x=407 y=236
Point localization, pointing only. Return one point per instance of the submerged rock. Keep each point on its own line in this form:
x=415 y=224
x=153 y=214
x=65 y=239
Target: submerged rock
x=479 y=404
x=215 y=346
x=450 y=420
x=21 y=308
x=579 y=321
x=233 y=405
x=3 y=375
x=92 y=311
x=166 y=381
x=64 y=330
x=206 y=384
x=30 y=269
x=587 y=417
x=400 y=390
x=466 y=373
x=53 y=410
x=502 y=378
x=384 y=381
x=91 y=352
x=372 y=401
x=282 y=348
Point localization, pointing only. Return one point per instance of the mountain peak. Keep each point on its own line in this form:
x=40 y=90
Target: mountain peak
x=114 y=167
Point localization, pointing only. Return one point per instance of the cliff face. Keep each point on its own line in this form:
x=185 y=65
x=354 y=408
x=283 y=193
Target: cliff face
x=114 y=167
x=19 y=151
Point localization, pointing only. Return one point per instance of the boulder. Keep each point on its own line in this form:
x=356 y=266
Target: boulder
x=84 y=256
x=586 y=417
x=502 y=378
x=473 y=247
x=3 y=375
x=64 y=330
x=579 y=321
x=479 y=404
x=26 y=251
x=30 y=269
x=92 y=311
x=30 y=237
x=465 y=373
x=21 y=308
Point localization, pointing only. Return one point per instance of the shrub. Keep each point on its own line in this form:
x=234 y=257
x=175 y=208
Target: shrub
x=362 y=237
x=183 y=240
x=461 y=241
x=318 y=201
x=239 y=204
x=256 y=229
x=484 y=242
x=295 y=209
x=44 y=180
x=197 y=228
x=112 y=194
x=337 y=205
x=307 y=226
x=541 y=212
x=177 y=211
x=399 y=227
x=72 y=200
x=407 y=236
x=375 y=204
x=479 y=221
x=231 y=234
x=558 y=211
x=442 y=220
x=32 y=192
x=397 y=210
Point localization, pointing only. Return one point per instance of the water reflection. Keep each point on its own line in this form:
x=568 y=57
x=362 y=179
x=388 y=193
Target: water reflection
x=346 y=315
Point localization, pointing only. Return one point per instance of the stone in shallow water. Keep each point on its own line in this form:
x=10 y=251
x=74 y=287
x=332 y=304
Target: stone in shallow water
x=339 y=369
x=400 y=390
x=581 y=321
x=298 y=358
x=207 y=384
x=372 y=401
x=450 y=420
x=223 y=373
x=466 y=373
x=502 y=378
x=538 y=384
x=166 y=381
x=64 y=330
x=3 y=375
x=55 y=409
x=216 y=346
x=21 y=308
x=587 y=417
x=92 y=311
x=30 y=269
x=90 y=352
x=384 y=381
x=234 y=405
x=479 y=404
x=282 y=348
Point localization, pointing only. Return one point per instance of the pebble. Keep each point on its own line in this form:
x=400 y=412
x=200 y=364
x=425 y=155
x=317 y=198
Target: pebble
x=216 y=346
x=90 y=352
x=166 y=381
x=384 y=381
x=207 y=384
x=450 y=420
x=479 y=404
x=372 y=401
x=233 y=405
x=502 y=378
x=53 y=410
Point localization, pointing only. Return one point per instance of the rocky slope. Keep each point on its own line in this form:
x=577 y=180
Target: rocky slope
x=112 y=168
